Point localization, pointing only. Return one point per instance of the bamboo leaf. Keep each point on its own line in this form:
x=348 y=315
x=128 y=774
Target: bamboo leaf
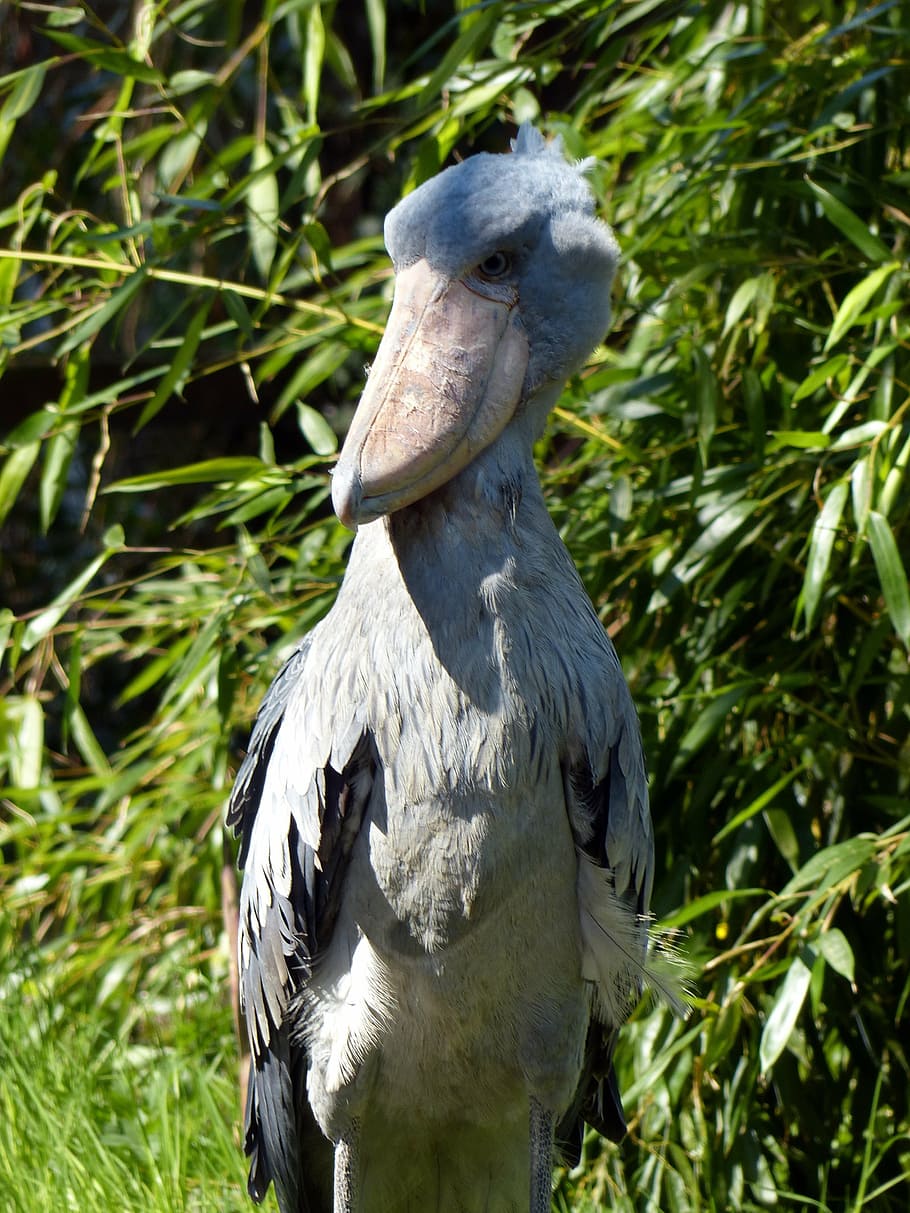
x=22 y=734
x=101 y=316
x=106 y=58
x=803 y=440
x=376 y=23
x=709 y=721
x=891 y=574
x=178 y=372
x=706 y=400
x=60 y=447
x=227 y=470
x=460 y=52
x=24 y=93
x=820 y=376
x=846 y=221
x=821 y=545
x=706 y=903
x=857 y=300
x=317 y=431
x=16 y=467
x=41 y=624
x=262 y=209
x=835 y=947
x=312 y=62
x=756 y=806
x=784 y=1013
x=58 y=455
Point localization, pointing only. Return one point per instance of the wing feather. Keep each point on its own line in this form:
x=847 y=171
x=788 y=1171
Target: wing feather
x=291 y=890
x=607 y=801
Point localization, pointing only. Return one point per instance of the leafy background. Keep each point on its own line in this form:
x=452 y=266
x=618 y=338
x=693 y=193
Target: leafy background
x=191 y=281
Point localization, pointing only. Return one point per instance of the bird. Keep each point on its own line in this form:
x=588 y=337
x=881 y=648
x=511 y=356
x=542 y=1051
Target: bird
x=443 y=813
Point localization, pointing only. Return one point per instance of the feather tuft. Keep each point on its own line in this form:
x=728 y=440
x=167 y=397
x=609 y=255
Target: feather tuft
x=621 y=954
x=531 y=142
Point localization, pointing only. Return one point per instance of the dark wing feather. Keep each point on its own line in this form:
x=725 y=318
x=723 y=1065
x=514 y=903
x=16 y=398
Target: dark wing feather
x=289 y=902
x=608 y=809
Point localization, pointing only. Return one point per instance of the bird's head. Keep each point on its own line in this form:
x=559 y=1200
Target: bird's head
x=503 y=277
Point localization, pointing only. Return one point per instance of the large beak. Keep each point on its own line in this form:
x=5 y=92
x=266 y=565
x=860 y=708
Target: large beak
x=446 y=381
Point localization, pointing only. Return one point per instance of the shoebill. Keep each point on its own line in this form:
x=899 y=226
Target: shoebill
x=443 y=813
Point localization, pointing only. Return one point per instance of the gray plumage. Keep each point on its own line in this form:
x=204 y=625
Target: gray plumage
x=446 y=840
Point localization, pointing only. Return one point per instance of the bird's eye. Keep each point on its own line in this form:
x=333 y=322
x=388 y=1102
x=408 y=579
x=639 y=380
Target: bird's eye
x=495 y=265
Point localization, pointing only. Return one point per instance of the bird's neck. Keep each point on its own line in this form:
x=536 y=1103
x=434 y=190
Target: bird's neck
x=482 y=535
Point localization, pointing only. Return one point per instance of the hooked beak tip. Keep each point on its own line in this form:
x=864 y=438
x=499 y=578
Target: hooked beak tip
x=346 y=496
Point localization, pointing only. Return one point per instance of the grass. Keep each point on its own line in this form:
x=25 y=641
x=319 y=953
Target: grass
x=93 y=1119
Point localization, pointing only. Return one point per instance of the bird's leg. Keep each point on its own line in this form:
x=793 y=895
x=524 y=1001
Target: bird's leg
x=540 y=1137
x=347 y=1171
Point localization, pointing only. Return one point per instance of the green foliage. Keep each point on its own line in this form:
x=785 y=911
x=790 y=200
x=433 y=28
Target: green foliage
x=730 y=474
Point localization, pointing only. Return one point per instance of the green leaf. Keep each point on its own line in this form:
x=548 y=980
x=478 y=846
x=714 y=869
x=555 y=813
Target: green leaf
x=856 y=231
x=831 y=866
x=60 y=447
x=802 y=440
x=707 y=395
x=262 y=209
x=754 y=401
x=84 y=330
x=376 y=22
x=22 y=737
x=835 y=948
x=736 y=308
x=237 y=310
x=856 y=301
x=188 y=81
x=891 y=574
x=317 y=431
x=16 y=467
x=820 y=376
x=858 y=435
x=708 y=723
x=41 y=624
x=756 y=806
x=312 y=61
x=313 y=370
x=178 y=372
x=780 y=827
x=821 y=545
x=58 y=455
x=24 y=93
x=229 y=469
x=105 y=58
x=459 y=53
x=706 y=903
x=784 y=1013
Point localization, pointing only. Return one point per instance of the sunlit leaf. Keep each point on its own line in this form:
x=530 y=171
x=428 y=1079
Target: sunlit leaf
x=16 y=467
x=313 y=60
x=39 y=626
x=262 y=209
x=850 y=224
x=24 y=93
x=835 y=947
x=891 y=573
x=22 y=734
x=784 y=1013
x=317 y=431
x=207 y=471
x=821 y=545
x=857 y=300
